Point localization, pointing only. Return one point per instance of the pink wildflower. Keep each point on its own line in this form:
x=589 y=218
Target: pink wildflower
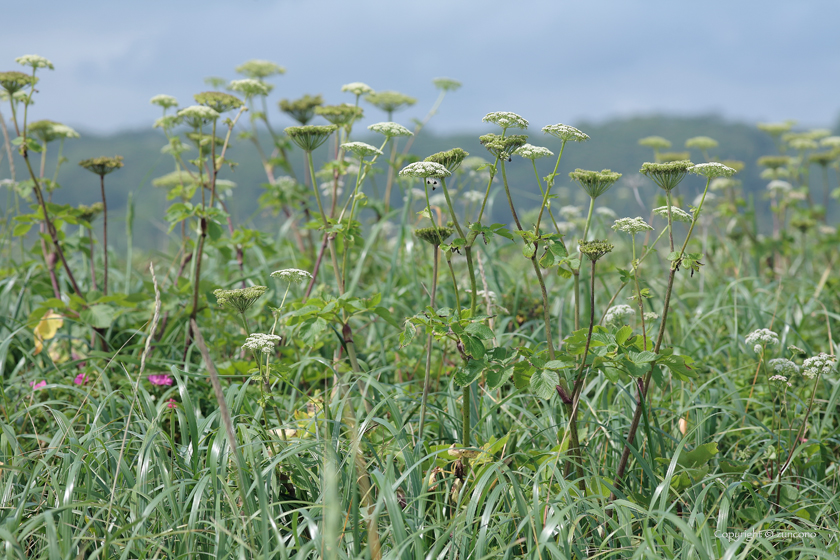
x=40 y=385
x=81 y=379
x=172 y=403
x=160 y=379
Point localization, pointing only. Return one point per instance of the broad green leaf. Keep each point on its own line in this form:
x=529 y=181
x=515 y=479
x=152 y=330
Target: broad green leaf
x=544 y=383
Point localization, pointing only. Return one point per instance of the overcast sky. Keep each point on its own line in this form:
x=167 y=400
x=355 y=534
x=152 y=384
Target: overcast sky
x=550 y=61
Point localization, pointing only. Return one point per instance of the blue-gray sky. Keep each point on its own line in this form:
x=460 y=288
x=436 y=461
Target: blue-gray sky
x=550 y=61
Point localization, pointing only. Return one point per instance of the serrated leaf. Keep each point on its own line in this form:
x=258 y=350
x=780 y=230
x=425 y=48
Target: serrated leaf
x=547 y=260
x=100 y=316
x=386 y=314
x=528 y=250
x=496 y=377
x=522 y=372
x=623 y=334
x=473 y=346
x=544 y=383
x=469 y=372
x=408 y=334
x=479 y=330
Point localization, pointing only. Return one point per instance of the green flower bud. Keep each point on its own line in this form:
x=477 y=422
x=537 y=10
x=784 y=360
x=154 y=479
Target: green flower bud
x=450 y=159
x=390 y=101
x=240 y=299
x=503 y=147
x=434 y=235
x=595 y=249
x=102 y=165
x=310 y=137
x=302 y=109
x=666 y=175
x=218 y=101
x=595 y=183
x=655 y=142
x=341 y=115
x=14 y=81
x=259 y=69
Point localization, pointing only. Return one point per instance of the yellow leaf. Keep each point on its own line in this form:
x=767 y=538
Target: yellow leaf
x=46 y=329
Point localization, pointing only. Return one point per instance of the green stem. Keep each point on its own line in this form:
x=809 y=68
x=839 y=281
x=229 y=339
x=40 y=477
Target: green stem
x=428 y=374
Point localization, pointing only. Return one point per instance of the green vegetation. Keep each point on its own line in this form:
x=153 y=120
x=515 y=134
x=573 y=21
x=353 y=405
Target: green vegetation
x=416 y=352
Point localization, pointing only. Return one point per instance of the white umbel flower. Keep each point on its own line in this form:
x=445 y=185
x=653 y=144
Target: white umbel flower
x=361 y=149
x=250 y=87
x=425 y=169
x=631 y=225
x=570 y=212
x=531 y=152
x=390 y=129
x=783 y=367
x=291 y=275
x=777 y=186
x=198 y=112
x=506 y=119
x=619 y=315
x=472 y=196
x=34 y=61
x=760 y=337
x=605 y=212
x=821 y=364
x=357 y=88
x=677 y=214
x=712 y=169
x=165 y=101
x=259 y=342
x=565 y=132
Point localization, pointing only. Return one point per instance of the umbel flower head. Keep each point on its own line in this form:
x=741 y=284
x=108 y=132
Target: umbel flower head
x=425 y=170
x=784 y=367
x=240 y=299
x=89 y=213
x=723 y=183
x=361 y=149
x=503 y=147
x=389 y=101
x=446 y=84
x=666 y=157
x=822 y=158
x=821 y=364
x=197 y=115
x=259 y=342
x=48 y=131
x=595 y=183
x=302 y=109
x=357 y=88
x=14 y=81
x=390 y=129
x=533 y=153
x=341 y=115
x=506 y=120
x=565 y=133
x=434 y=235
x=666 y=175
x=803 y=144
x=712 y=169
x=773 y=162
x=165 y=101
x=218 y=101
x=701 y=143
x=631 y=225
x=758 y=338
x=291 y=275
x=776 y=129
x=655 y=142
x=259 y=69
x=677 y=213
x=618 y=315
x=249 y=87
x=102 y=165
x=34 y=61
x=830 y=142
x=310 y=137
x=595 y=249
x=450 y=159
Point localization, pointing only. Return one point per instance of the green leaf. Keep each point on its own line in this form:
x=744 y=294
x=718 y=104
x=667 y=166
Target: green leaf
x=469 y=372
x=473 y=346
x=547 y=260
x=544 y=383
x=100 y=316
x=312 y=330
x=386 y=314
x=479 y=330
x=497 y=376
x=522 y=372
x=408 y=334
x=623 y=334
x=699 y=456
x=528 y=250
x=21 y=229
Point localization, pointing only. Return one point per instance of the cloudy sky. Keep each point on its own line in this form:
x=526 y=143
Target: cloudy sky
x=551 y=61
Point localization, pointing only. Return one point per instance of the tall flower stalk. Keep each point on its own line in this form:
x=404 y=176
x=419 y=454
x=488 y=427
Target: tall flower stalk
x=103 y=166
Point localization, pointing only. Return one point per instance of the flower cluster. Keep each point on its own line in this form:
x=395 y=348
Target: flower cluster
x=701 y=143
x=291 y=275
x=218 y=101
x=565 y=133
x=631 y=225
x=450 y=159
x=303 y=109
x=161 y=379
x=446 y=84
x=250 y=87
x=259 y=342
x=595 y=249
x=361 y=149
x=502 y=146
x=666 y=175
x=341 y=115
x=259 y=69
x=198 y=114
x=619 y=315
x=34 y=61
x=357 y=88
x=531 y=152
x=309 y=138
x=784 y=367
x=818 y=365
x=506 y=119
x=677 y=214
x=655 y=142
x=390 y=101
x=425 y=169
x=240 y=299
x=712 y=169
x=165 y=101
x=102 y=165
x=595 y=183
x=390 y=129
x=433 y=235
x=760 y=337
x=14 y=81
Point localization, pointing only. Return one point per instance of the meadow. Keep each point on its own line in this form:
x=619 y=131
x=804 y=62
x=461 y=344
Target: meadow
x=378 y=369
